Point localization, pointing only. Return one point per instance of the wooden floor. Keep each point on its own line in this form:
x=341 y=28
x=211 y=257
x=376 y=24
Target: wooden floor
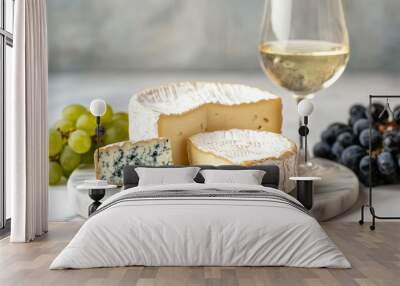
x=375 y=257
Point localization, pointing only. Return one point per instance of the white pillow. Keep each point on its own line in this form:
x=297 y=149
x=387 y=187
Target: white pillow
x=248 y=177
x=166 y=176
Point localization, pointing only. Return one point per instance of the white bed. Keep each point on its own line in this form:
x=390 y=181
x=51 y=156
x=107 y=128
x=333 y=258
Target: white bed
x=184 y=230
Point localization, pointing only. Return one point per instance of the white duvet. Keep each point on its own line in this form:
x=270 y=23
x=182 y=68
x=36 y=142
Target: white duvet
x=200 y=231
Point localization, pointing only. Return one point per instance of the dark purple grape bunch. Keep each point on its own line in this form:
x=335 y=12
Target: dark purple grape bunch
x=349 y=144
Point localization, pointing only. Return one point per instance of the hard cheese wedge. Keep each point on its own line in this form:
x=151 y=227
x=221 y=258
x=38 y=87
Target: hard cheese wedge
x=114 y=157
x=178 y=111
x=246 y=148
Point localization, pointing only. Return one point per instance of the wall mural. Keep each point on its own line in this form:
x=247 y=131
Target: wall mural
x=161 y=75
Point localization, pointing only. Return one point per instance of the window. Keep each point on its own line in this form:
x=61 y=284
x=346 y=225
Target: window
x=6 y=43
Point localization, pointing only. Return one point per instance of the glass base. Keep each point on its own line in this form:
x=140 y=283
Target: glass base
x=314 y=169
x=332 y=174
x=300 y=97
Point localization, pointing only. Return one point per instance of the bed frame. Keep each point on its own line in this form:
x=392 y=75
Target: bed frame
x=131 y=179
x=271 y=178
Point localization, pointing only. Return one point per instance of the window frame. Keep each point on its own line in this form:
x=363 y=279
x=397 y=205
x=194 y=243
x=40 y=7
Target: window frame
x=6 y=39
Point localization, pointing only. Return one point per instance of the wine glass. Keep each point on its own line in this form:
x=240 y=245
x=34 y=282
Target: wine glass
x=304 y=45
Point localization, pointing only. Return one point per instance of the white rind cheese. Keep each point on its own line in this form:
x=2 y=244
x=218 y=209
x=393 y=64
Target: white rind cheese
x=114 y=157
x=178 y=111
x=246 y=148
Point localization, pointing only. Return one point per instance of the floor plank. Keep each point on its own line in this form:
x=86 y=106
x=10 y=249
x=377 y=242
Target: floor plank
x=375 y=257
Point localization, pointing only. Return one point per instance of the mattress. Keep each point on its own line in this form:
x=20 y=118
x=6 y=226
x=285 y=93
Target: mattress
x=201 y=225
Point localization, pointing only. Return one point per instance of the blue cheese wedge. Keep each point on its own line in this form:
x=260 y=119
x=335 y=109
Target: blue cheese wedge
x=114 y=157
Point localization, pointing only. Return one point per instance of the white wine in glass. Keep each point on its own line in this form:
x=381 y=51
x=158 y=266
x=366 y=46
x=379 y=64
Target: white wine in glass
x=304 y=45
x=304 y=67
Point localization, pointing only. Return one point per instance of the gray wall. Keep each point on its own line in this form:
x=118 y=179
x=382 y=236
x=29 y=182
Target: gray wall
x=201 y=35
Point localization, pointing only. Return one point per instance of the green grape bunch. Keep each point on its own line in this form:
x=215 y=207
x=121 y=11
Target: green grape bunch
x=72 y=139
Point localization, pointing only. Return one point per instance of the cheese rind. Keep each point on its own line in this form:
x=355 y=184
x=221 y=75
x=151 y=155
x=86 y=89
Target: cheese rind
x=246 y=148
x=114 y=157
x=178 y=111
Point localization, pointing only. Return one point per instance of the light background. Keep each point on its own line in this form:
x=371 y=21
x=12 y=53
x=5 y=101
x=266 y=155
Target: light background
x=206 y=35
x=111 y=49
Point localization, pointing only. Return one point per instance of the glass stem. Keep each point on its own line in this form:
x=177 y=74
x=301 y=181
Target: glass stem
x=298 y=99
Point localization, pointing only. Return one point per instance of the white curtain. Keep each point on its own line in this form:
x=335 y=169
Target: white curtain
x=26 y=117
